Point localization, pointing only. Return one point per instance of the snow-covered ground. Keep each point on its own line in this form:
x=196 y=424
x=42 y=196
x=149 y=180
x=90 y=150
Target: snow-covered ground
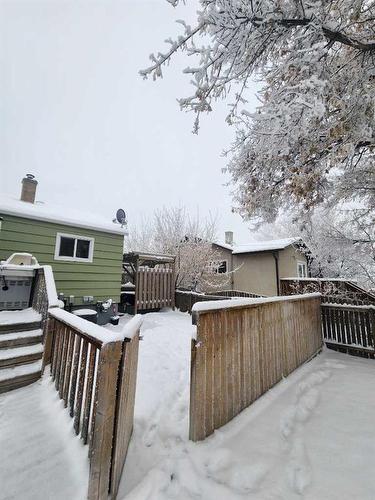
x=40 y=456
x=312 y=436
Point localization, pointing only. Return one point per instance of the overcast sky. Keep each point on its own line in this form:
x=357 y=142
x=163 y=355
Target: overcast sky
x=76 y=113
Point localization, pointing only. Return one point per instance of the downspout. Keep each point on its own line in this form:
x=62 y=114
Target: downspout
x=231 y=270
x=276 y=257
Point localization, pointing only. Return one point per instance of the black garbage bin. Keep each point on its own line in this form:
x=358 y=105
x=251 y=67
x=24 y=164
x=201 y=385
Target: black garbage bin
x=89 y=314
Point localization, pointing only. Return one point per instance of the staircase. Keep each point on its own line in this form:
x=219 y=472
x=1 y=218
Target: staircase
x=21 y=348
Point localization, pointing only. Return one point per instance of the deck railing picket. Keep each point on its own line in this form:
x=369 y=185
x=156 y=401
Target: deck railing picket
x=69 y=359
x=81 y=386
x=88 y=395
x=55 y=354
x=60 y=356
x=73 y=385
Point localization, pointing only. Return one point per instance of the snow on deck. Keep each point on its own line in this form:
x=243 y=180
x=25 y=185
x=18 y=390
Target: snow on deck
x=311 y=436
x=15 y=317
x=40 y=456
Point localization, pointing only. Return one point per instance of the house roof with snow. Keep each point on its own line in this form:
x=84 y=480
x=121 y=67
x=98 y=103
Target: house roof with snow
x=57 y=214
x=261 y=246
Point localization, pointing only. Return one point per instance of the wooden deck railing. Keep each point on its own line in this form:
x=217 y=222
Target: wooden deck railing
x=242 y=350
x=236 y=293
x=185 y=300
x=95 y=375
x=43 y=294
x=349 y=329
x=337 y=291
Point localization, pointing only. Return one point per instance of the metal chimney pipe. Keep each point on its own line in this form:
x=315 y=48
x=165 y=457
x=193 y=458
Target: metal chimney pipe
x=29 y=184
x=229 y=237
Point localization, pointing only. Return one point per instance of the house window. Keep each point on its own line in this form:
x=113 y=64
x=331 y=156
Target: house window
x=74 y=248
x=301 y=269
x=219 y=267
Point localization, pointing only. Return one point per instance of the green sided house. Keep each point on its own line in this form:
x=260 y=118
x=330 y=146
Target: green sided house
x=84 y=250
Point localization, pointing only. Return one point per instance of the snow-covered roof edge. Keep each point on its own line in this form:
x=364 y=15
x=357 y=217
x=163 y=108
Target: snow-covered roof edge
x=40 y=211
x=223 y=245
x=261 y=246
x=266 y=246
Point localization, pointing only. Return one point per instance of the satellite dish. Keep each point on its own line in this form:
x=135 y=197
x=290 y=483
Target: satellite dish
x=121 y=216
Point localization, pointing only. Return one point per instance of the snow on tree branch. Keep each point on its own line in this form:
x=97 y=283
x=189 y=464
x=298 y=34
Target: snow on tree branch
x=312 y=138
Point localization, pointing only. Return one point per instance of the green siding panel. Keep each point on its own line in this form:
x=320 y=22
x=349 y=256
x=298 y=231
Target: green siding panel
x=100 y=278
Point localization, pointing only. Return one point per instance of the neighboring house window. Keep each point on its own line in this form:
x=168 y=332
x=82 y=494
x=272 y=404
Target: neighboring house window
x=302 y=269
x=74 y=248
x=220 y=267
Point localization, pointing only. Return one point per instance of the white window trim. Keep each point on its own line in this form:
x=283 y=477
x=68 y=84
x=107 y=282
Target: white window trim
x=76 y=237
x=301 y=263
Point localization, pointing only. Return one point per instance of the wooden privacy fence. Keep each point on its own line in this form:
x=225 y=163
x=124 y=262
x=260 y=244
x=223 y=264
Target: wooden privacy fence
x=242 y=350
x=154 y=288
x=349 y=329
x=95 y=375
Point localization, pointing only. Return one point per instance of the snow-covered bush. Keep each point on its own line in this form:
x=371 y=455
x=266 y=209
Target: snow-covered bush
x=173 y=231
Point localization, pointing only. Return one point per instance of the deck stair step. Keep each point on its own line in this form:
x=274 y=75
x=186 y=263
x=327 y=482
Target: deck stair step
x=21 y=348
x=14 y=339
x=19 y=376
x=20 y=355
x=18 y=327
x=19 y=321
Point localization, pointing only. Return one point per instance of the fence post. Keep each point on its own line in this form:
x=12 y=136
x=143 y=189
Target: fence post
x=49 y=332
x=103 y=422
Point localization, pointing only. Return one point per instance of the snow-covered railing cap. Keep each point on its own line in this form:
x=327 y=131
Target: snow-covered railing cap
x=352 y=307
x=95 y=333
x=339 y=280
x=53 y=300
x=132 y=327
x=215 y=305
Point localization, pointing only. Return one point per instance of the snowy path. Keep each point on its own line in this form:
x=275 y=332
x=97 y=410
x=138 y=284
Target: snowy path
x=40 y=456
x=311 y=437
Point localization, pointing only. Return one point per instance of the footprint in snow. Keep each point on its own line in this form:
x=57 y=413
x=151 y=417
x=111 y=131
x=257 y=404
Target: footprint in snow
x=223 y=468
x=298 y=468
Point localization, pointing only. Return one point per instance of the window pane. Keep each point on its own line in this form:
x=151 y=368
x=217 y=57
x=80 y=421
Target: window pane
x=66 y=247
x=222 y=267
x=83 y=249
x=302 y=271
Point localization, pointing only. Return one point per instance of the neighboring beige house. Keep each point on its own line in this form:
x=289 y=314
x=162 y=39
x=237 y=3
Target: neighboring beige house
x=259 y=266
